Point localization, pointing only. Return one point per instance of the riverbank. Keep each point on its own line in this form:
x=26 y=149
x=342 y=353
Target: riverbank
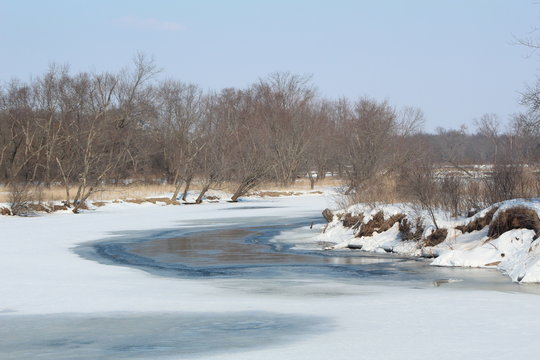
x=503 y=236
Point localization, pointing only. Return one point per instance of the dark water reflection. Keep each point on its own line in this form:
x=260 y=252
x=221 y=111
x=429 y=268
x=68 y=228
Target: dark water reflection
x=216 y=248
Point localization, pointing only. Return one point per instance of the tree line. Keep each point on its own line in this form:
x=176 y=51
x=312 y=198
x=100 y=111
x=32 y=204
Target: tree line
x=89 y=129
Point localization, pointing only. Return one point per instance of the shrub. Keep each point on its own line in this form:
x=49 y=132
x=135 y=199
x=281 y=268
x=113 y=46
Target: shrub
x=20 y=198
x=518 y=217
x=479 y=223
x=352 y=221
x=406 y=230
x=436 y=237
x=379 y=224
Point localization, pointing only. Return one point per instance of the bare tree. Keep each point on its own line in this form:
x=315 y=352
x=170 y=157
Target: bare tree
x=367 y=130
x=418 y=180
x=113 y=106
x=247 y=151
x=282 y=104
x=181 y=109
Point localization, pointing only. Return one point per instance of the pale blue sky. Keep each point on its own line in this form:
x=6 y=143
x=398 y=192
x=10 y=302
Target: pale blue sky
x=454 y=59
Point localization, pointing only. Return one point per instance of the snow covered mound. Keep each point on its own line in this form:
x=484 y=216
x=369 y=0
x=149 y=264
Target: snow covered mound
x=503 y=236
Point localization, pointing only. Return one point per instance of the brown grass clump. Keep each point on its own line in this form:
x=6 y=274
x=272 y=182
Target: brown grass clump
x=352 y=221
x=274 y=193
x=479 y=223
x=379 y=224
x=163 y=200
x=405 y=228
x=39 y=208
x=373 y=224
x=518 y=217
x=5 y=211
x=99 y=203
x=135 y=201
x=436 y=237
x=59 y=207
x=153 y=201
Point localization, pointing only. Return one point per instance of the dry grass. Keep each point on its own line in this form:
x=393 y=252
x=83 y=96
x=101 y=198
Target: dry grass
x=58 y=193
x=436 y=237
x=352 y=221
x=479 y=223
x=141 y=191
x=406 y=229
x=518 y=217
x=299 y=185
x=42 y=198
x=383 y=188
x=379 y=224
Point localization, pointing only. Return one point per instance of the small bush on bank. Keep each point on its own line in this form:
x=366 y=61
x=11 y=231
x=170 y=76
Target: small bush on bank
x=518 y=217
x=20 y=198
x=436 y=237
x=352 y=221
x=406 y=230
x=479 y=223
x=379 y=224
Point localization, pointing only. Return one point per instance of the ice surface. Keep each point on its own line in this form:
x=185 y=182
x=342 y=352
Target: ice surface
x=147 y=335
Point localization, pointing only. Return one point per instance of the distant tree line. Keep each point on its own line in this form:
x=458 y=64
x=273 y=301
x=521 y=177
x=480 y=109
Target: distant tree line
x=89 y=129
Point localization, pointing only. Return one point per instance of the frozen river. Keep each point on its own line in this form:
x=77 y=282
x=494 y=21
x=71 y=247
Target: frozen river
x=242 y=281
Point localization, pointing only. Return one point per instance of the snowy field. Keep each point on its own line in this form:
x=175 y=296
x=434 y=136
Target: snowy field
x=58 y=305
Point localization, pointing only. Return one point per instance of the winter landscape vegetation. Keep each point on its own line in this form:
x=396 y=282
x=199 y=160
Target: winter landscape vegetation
x=147 y=217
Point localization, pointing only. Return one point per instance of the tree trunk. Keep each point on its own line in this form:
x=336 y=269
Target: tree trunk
x=237 y=194
x=186 y=188
x=177 y=185
x=201 y=194
x=312 y=180
x=83 y=199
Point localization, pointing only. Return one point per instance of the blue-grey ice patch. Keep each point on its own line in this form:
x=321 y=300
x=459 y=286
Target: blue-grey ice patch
x=148 y=335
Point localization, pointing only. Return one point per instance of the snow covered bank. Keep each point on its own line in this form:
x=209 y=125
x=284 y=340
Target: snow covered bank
x=503 y=236
x=211 y=196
